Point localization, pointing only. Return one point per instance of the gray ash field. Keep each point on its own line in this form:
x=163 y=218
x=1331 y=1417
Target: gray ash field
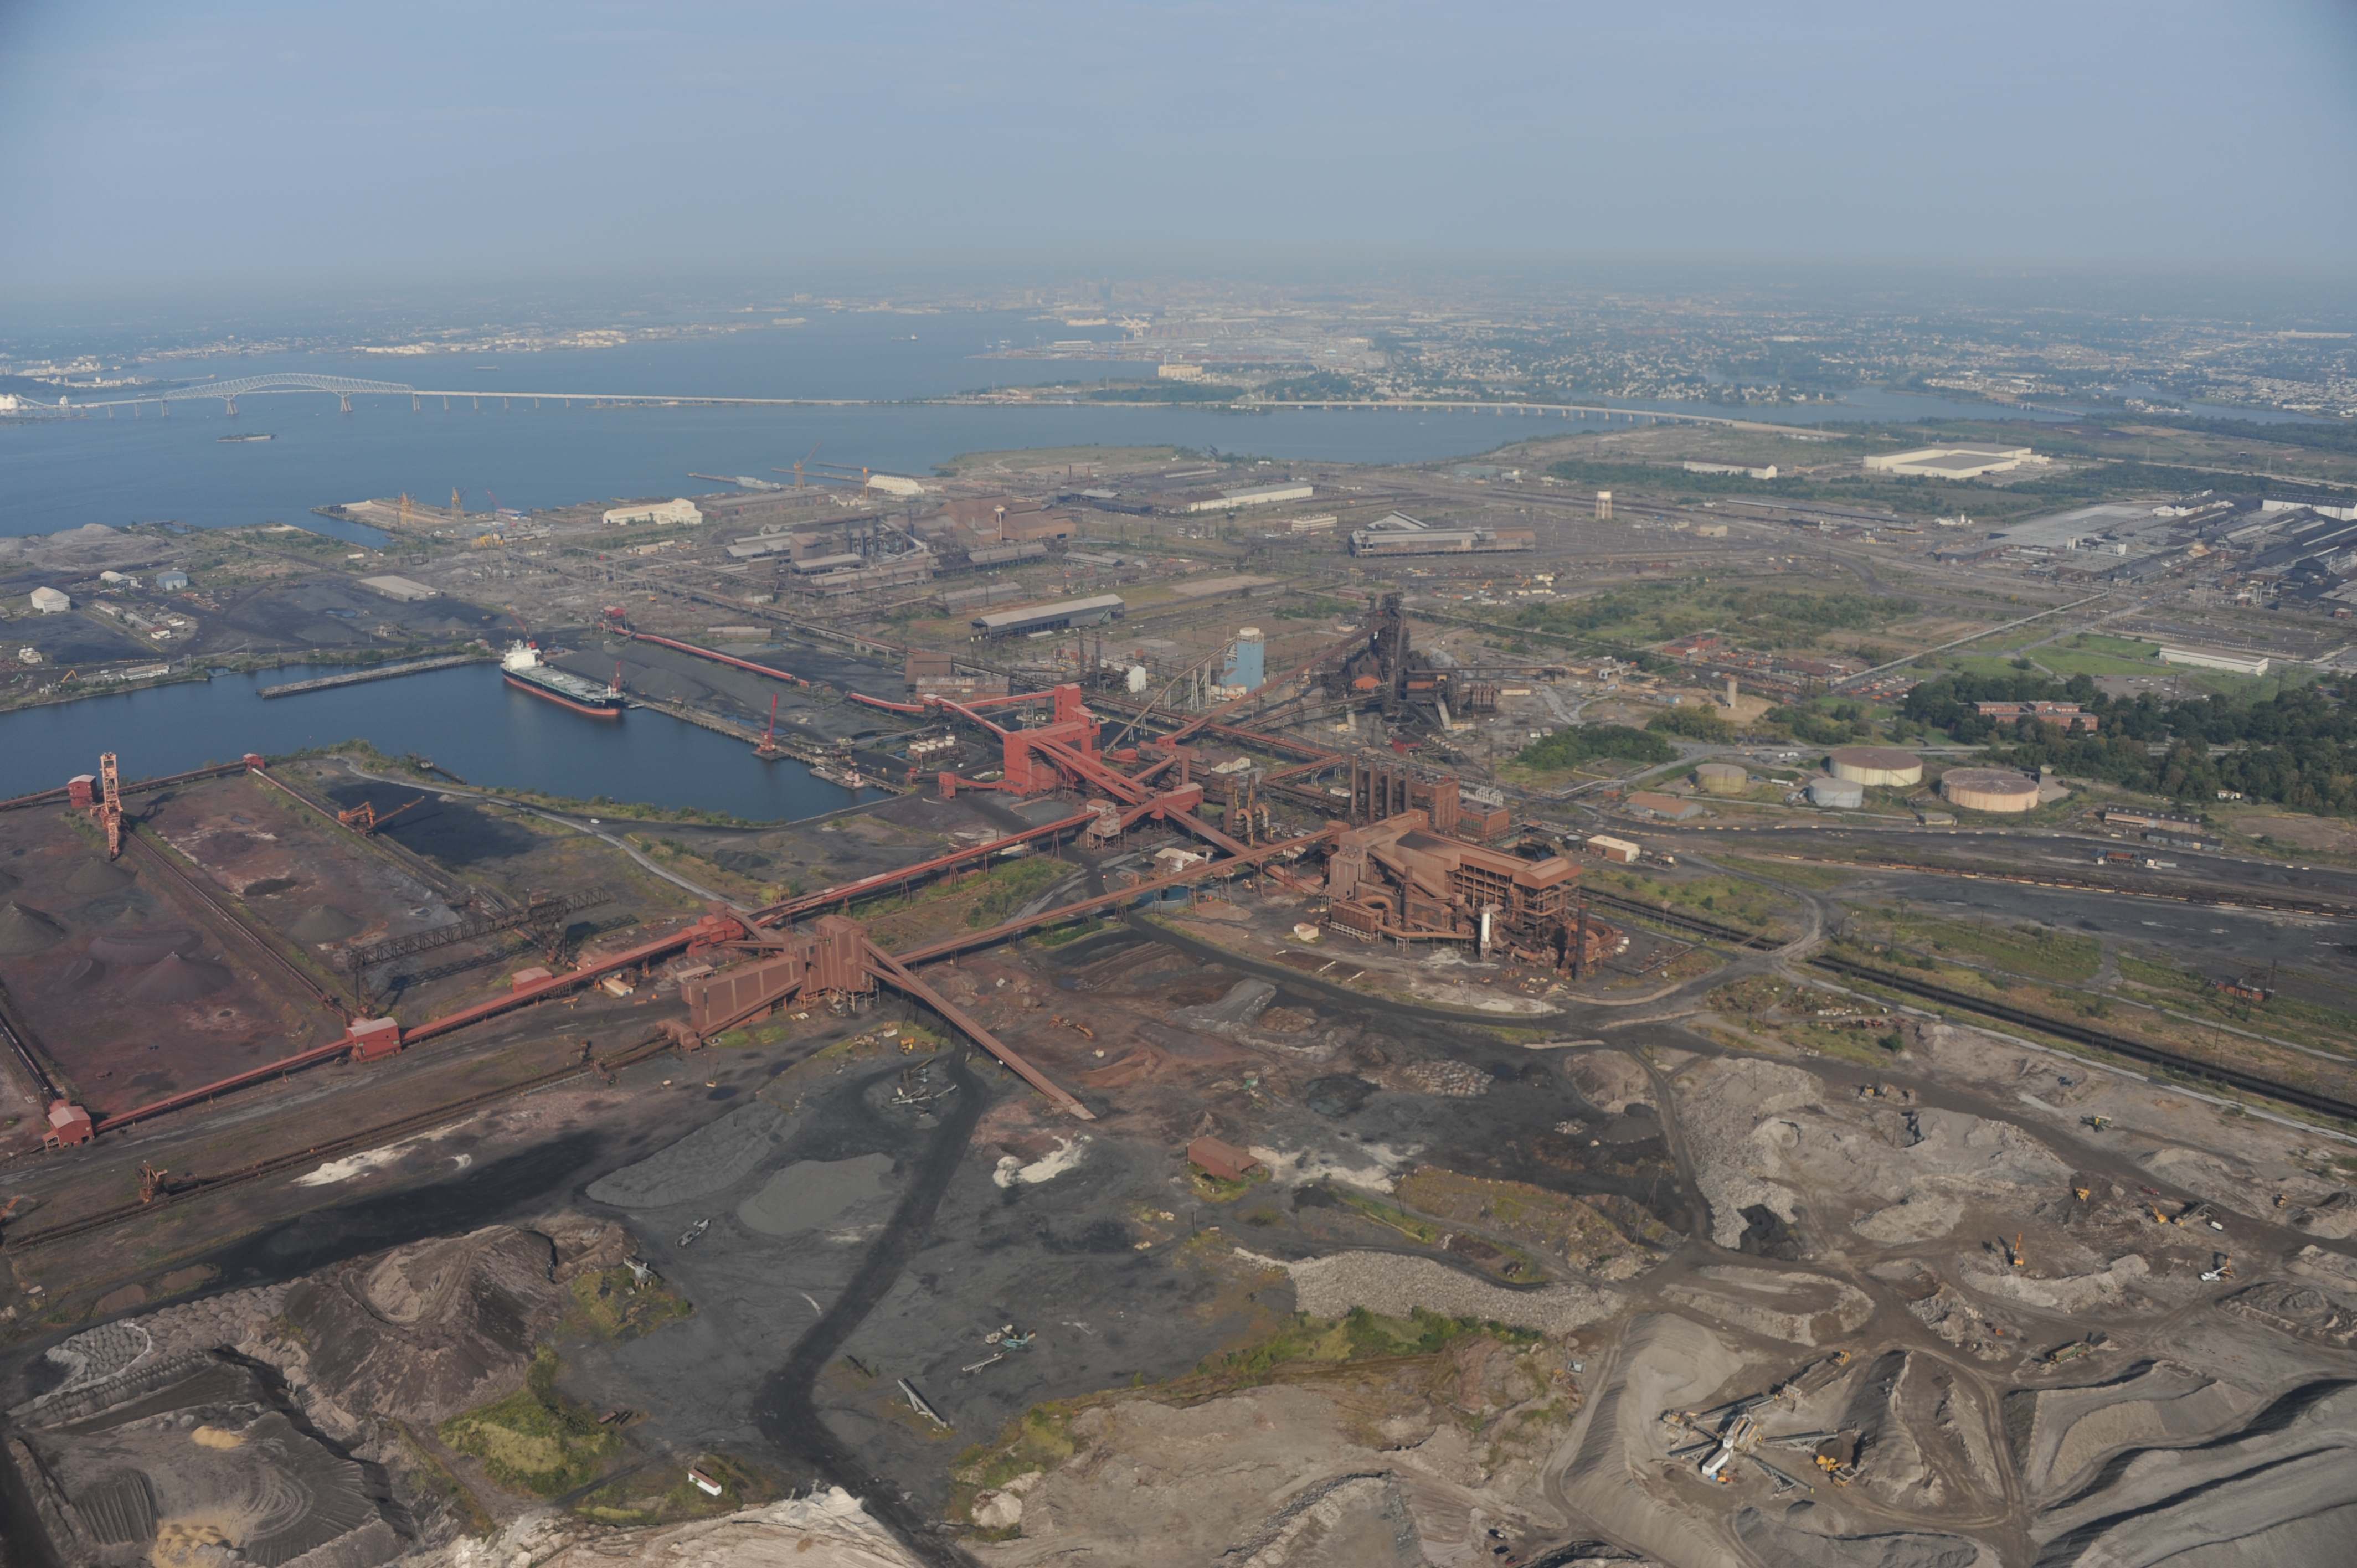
x=833 y=1215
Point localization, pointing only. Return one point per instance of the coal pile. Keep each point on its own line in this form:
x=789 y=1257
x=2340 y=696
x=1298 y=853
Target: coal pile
x=79 y=974
x=143 y=947
x=177 y=978
x=321 y=923
x=24 y=929
x=95 y=878
x=425 y=1332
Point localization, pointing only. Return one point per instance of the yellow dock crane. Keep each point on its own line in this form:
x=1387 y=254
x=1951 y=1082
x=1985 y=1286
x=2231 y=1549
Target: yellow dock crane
x=797 y=470
x=363 y=818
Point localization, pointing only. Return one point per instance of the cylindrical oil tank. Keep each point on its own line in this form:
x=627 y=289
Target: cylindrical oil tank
x=1840 y=793
x=1721 y=778
x=1989 y=788
x=1877 y=765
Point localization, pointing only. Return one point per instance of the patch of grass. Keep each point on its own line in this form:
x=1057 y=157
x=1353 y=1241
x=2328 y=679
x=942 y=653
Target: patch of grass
x=2284 y=1017
x=535 y=1440
x=2031 y=950
x=610 y=1306
x=1362 y=1335
x=1722 y=898
x=1422 y=1231
x=1794 y=873
x=1218 y=1189
x=1039 y=1439
x=1008 y=887
x=2162 y=976
x=767 y=1033
x=1821 y=1021
x=439 y=1479
x=1070 y=931
x=623 y=1503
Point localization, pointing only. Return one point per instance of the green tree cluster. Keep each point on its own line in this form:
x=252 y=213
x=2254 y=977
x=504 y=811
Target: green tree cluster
x=1570 y=747
x=2295 y=749
x=1694 y=724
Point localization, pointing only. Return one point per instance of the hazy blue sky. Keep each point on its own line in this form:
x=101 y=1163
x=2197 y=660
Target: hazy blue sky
x=153 y=147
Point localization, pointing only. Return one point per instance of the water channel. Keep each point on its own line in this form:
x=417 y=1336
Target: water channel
x=466 y=719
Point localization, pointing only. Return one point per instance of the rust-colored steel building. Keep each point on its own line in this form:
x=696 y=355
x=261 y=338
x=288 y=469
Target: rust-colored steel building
x=1224 y=1161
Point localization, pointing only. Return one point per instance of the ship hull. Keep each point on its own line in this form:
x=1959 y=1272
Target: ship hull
x=561 y=700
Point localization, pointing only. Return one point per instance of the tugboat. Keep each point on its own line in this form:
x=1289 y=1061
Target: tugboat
x=525 y=671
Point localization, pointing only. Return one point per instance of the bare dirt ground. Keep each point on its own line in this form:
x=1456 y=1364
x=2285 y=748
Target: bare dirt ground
x=1489 y=1251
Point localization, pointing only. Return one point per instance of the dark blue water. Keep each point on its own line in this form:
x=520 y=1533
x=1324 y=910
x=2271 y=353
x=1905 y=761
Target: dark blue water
x=468 y=719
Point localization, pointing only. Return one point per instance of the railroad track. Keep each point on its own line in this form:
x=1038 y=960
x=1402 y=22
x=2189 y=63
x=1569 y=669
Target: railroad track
x=2224 y=899
x=367 y=1137
x=285 y=967
x=1695 y=923
x=2101 y=1039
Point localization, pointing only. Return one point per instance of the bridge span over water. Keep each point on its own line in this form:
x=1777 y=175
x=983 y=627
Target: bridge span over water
x=346 y=388
x=343 y=389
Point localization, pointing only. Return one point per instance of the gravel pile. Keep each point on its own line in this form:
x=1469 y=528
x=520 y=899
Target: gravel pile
x=1238 y=1008
x=24 y=929
x=104 y=1363
x=1455 y=1079
x=1395 y=1286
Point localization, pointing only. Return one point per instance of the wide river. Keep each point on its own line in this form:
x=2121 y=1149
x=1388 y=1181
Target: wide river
x=62 y=474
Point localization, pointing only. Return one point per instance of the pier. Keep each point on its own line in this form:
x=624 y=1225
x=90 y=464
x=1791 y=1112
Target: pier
x=374 y=673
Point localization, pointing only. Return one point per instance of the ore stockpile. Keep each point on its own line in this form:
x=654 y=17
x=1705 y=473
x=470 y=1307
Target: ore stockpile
x=1203 y=1138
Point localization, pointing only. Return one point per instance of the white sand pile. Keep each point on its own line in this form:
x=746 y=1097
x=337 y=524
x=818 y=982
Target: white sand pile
x=1763 y=1133
x=1721 y=1103
x=827 y=1530
x=1615 y=1446
x=1800 y=1308
x=1608 y=1080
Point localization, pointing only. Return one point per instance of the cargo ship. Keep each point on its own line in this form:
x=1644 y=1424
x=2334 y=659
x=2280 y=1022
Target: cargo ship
x=248 y=436
x=525 y=671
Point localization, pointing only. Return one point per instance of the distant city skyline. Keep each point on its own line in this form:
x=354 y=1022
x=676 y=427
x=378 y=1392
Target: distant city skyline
x=158 y=152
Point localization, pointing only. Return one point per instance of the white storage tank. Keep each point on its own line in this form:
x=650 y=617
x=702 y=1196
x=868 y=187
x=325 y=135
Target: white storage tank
x=1841 y=794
